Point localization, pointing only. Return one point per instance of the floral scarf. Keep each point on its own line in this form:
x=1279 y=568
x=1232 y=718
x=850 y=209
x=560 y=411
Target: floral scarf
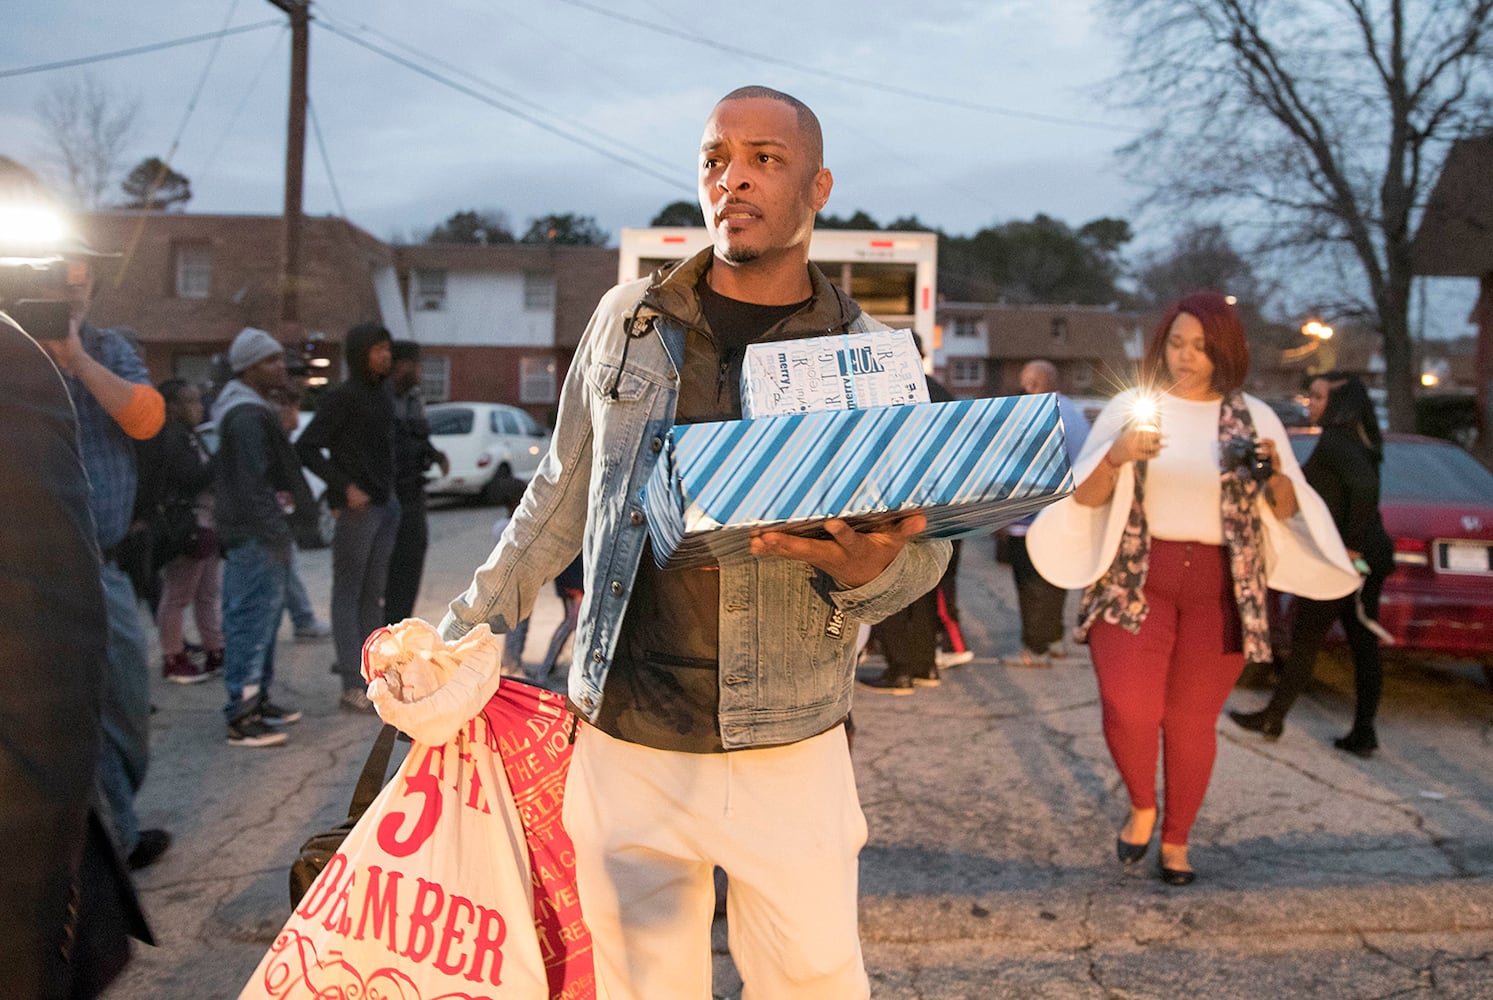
x=1118 y=597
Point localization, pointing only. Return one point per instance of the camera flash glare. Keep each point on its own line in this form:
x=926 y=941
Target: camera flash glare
x=1145 y=413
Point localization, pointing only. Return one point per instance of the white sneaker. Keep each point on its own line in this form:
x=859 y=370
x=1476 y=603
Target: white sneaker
x=946 y=659
x=316 y=630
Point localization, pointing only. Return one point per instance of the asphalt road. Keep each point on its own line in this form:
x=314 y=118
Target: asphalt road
x=992 y=806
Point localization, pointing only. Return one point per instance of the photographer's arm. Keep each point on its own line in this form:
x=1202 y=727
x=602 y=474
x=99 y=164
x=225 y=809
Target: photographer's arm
x=137 y=408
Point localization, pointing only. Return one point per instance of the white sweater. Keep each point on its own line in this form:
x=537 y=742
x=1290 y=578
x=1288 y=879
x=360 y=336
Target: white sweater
x=1072 y=545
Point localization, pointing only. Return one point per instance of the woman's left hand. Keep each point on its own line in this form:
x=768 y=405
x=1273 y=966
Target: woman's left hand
x=1280 y=492
x=1270 y=453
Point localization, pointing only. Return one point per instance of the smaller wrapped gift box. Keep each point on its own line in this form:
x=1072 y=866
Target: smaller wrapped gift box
x=848 y=371
x=970 y=466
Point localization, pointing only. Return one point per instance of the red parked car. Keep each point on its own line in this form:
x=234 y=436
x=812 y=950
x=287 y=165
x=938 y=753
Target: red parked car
x=1437 y=504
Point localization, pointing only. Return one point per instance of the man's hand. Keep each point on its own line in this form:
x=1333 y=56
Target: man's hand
x=68 y=352
x=443 y=462
x=356 y=498
x=853 y=558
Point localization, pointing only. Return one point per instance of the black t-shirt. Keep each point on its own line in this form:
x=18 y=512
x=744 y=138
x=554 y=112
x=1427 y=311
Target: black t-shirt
x=663 y=689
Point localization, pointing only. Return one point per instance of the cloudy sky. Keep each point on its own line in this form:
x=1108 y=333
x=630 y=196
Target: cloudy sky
x=962 y=112
x=405 y=150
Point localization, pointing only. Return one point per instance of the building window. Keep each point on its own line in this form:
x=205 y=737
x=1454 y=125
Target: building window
x=965 y=326
x=194 y=368
x=194 y=271
x=1082 y=377
x=966 y=372
x=539 y=292
x=435 y=379
x=430 y=289
x=536 y=380
x=1060 y=329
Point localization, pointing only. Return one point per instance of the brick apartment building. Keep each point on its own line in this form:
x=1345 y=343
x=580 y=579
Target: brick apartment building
x=984 y=346
x=496 y=324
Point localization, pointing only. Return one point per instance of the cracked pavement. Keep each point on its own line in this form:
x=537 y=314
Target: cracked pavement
x=992 y=806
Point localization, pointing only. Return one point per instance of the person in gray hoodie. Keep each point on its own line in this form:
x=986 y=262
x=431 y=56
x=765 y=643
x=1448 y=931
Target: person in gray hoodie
x=258 y=483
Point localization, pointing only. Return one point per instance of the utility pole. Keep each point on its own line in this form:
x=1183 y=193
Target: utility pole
x=295 y=159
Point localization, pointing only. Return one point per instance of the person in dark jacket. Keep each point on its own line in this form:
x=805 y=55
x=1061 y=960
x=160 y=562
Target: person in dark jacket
x=191 y=570
x=1344 y=469
x=909 y=638
x=258 y=483
x=350 y=445
x=70 y=906
x=413 y=454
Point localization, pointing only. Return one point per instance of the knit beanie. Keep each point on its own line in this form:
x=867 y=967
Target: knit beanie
x=250 y=347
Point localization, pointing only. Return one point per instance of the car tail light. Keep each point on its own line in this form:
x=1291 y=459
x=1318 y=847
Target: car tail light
x=484 y=460
x=1411 y=552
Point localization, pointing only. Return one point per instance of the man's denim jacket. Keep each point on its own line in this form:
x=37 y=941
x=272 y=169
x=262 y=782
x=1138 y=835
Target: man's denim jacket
x=786 y=659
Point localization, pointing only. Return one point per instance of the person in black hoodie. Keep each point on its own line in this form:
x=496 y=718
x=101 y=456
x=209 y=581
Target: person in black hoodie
x=413 y=454
x=258 y=483
x=350 y=445
x=1344 y=469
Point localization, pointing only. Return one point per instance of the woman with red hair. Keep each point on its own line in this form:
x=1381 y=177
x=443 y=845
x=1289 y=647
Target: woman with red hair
x=1189 y=504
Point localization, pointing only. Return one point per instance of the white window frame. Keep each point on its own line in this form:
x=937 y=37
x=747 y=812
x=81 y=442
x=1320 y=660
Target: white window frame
x=539 y=291
x=194 y=270
x=537 y=378
x=429 y=288
x=965 y=326
x=966 y=372
x=435 y=378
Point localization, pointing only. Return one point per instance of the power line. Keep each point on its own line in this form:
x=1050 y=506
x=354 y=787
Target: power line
x=243 y=102
x=326 y=161
x=480 y=81
x=952 y=102
x=137 y=50
x=212 y=57
x=165 y=169
x=425 y=71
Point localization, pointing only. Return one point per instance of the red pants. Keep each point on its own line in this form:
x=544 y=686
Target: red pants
x=1171 y=679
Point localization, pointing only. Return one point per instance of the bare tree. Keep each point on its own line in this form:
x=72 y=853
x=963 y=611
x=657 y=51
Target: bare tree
x=1199 y=256
x=88 y=129
x=1321 y=122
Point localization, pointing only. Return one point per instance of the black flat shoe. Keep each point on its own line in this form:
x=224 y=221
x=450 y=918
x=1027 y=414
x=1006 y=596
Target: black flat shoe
x=1357 y=743
x=1128 y=853
x=1258 y=722
x=1177 y=876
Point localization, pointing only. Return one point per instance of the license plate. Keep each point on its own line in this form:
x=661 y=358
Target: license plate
x=1465 y=557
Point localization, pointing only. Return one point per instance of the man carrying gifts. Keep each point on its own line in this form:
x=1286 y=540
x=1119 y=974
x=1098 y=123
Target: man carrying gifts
x=713 y=698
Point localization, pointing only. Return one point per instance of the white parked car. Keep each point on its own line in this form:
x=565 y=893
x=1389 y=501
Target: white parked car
x=485 y=442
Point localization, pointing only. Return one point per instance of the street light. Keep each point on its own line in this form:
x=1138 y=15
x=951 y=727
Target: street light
x=1316 y=328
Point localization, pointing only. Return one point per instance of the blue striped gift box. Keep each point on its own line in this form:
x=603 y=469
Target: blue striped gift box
x=969 y=466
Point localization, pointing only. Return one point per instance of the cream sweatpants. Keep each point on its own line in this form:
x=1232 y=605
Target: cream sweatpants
x=784 y=822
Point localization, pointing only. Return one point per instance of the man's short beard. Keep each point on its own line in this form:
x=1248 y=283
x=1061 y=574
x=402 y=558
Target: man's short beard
x=739 y=255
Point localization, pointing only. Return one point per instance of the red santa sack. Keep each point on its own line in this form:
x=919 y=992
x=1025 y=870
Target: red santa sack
x=535 y=732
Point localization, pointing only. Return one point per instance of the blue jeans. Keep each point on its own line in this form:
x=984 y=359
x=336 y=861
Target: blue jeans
x=297 y=601
x=125 y=711
x=361 y=547
x=254 y=583
x=513 y=647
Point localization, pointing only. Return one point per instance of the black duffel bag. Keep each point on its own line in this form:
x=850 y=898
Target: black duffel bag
x=319 y=847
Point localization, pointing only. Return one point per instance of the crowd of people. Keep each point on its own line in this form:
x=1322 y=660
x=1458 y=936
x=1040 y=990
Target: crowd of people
x=711 y=740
